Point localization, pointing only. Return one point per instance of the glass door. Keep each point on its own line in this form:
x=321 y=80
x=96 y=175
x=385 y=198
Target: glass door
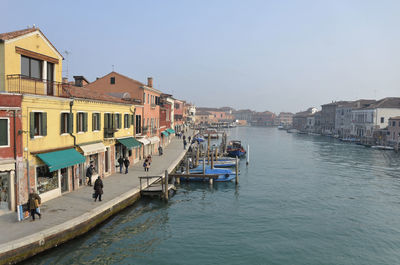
x=64 y=179
x=50 y=79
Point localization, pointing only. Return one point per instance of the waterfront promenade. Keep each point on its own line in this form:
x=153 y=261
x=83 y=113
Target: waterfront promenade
x=77 y=209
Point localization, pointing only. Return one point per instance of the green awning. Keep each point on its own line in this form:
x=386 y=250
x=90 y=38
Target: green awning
x=165 y=133
x=61 y=159
x=130 y=142
x=171 y=131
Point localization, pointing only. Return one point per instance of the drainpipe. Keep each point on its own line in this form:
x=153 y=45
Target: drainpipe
x=71 y=103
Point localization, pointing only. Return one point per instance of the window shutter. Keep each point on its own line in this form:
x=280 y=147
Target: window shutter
x=93 y=124
x=4 y=132
x=77 y=122
x=85 y=121
x=32 y=124
x=119 y=121
x=62 y=128
x=44 y=124
x=113 y=124
x=70 y=122
x=106 y=121
x=99 y=122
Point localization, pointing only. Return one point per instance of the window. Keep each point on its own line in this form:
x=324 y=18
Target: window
x=46 y=180
x=144 y=97
x=148 y=98
x=37 y=124
x=81 y=122
x=66 y=123
x=96 y=122
x=112 y=80
x=382 y=119
x=138 y=124
x=4 y=132
x=31 y=67
x=108 y=121
x=118 y=121
x=393 y=123
x=127 y=121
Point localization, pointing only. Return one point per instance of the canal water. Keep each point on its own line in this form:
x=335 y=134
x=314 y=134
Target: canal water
x=302 y=200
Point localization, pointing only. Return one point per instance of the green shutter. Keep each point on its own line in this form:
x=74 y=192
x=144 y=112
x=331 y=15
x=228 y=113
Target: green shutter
x=44 y=124
x=32 y=124
x=4 y=132
x=85 y=121
x=62 y=128
x=113 y=124
x=70 y=122
x=119 y=121
x=128 y=120
x=93 y=118
x=99 y=122
x=106 y=121
x=77 y=121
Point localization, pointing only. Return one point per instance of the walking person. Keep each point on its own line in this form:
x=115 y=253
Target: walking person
x=98 y=188
x=184 y=144
x=89 y=174
x=184 y=137
x=145 y=164
x=126 y=163
x=189 y=138
x=121 y=164
x=160 y=150
x=34 y=202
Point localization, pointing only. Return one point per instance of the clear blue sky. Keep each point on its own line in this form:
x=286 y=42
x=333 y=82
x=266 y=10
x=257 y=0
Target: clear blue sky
x=263 y=55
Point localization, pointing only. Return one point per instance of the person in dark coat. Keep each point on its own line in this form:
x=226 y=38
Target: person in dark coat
x=184 y=144
x=121 y=164
x=98 y=188
x=189 y=138
x=160 y=150
x=89 y=173
x=145 y=164
x=126 y=163
x=32 y=205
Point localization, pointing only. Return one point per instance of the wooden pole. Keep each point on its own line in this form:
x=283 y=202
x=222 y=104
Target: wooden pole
x=197 y=156
x=208 y=155
x=166 y=185
x=211 y=180
x=204 y=166
x=248 y=155
x=216 y=154
x=237 y=171
x=212 y=160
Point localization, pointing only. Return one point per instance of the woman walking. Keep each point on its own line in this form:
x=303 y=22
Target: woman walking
x=98 y=188
x=34 y=202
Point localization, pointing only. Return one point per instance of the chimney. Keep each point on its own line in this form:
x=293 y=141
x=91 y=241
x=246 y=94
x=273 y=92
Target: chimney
x=150 y=81
x=65 y=80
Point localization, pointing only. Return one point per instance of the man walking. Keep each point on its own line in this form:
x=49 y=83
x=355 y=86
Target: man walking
x=121 y=164
x=184 y=144
x=34 y=202
x=98 y=189
x=126 y=163
x=89 y=173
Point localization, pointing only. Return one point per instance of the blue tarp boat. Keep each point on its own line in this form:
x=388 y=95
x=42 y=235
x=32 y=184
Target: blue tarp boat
x=224 y=174
x=235 y=149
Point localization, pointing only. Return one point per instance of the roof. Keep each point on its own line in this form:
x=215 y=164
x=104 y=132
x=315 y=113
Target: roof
x=390 y=102
x=395 y=118
x=84 y=93
x=19 y=33
x=202 y=113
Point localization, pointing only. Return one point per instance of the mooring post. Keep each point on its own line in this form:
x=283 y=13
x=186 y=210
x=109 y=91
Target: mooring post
x=166 y=185
x=197 y=156
x=212 y=160
x=204 y=166
x=208 y=155
x=216 y=154
x=211 y=180
x=237 y=171
x=248 y=155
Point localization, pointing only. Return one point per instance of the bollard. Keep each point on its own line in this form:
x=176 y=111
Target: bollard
x=248 y=155
x=237 y=171
x=166 y=185
x=204 y=166
x=211 y=181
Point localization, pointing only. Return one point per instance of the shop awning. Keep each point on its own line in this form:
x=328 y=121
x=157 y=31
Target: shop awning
x=154 y=139
x=171 y=131
x=90 y=149
x=129 y=142
x=61 y=159
x=144 y=141
x=165 y=133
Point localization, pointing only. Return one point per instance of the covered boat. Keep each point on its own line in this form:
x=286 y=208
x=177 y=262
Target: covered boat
x=235 y=149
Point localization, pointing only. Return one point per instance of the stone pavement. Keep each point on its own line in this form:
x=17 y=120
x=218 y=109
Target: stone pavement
x=77 y=203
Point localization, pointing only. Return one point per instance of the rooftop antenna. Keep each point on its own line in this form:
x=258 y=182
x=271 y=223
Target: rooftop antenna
x=67 y=53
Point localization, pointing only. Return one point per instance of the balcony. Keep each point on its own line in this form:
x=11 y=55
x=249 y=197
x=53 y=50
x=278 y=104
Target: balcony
x=145 y=129
x=109 y=132
x=26 y=85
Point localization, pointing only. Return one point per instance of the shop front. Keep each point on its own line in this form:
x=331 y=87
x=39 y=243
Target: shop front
x=164 y=138
x=154 y=144
x=7 y=196
x=133 y=147
x=56 y=175
x=146 y=146
x=94 y=155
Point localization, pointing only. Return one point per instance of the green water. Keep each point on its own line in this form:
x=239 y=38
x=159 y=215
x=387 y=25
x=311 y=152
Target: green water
x=302 y=200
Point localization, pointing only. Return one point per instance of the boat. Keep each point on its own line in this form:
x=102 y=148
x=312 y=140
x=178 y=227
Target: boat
x=235 y=149
x=382 y=147
x=220 y=164
x=224 y=175
x=280 y=127
x=292 y=130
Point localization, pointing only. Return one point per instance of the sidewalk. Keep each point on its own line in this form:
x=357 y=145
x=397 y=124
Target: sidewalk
x=78 y=206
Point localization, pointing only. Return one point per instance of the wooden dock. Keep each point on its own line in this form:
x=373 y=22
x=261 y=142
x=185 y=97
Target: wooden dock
x=156 y=186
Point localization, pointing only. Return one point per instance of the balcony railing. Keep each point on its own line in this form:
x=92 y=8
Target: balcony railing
x=26 y=85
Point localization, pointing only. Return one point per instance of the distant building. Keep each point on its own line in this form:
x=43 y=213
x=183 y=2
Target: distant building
x=285 y=118
x=328 y=116
x=393 y=134
x=300 y=119
x=265 y=118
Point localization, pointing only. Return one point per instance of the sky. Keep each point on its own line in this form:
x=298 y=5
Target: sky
x=261 y=55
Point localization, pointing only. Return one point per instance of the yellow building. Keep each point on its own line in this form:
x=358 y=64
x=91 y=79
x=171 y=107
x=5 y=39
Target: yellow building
x=64 y=128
